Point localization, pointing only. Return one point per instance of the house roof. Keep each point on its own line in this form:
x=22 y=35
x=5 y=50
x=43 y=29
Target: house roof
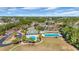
x=32 y=30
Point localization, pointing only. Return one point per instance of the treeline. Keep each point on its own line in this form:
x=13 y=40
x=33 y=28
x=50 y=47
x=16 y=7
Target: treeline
x=4 y=28
x=67 y=20
x=21 y=21
x=70 y=33
x=10 y=18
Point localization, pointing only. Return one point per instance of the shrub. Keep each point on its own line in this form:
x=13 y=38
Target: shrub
x=24 y=38
x=16 y=41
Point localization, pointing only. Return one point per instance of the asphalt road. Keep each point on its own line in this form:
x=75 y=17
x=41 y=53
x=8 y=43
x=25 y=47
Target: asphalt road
x=3 y=39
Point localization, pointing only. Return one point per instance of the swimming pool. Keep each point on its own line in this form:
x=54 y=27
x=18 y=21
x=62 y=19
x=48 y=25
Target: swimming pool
x=33 y=37
x=51 y=35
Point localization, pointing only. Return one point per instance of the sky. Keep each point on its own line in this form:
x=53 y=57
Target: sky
x=39 y=11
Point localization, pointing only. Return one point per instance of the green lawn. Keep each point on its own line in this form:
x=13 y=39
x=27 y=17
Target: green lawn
x=49 y=44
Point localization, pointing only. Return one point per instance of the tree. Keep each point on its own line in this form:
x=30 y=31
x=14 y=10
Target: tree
x=16 y=41
x=24 y=39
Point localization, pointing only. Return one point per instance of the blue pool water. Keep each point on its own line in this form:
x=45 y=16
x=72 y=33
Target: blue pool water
x=51 y=35
x=33 y=37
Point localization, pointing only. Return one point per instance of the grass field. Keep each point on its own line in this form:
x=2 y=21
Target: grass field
x=49 y=44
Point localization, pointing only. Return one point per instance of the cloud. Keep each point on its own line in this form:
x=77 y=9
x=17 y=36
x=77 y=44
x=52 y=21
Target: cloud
x=8 y=12
x=2 y=9
x=11 y=9
x=70 y=13
x=40 y=11
x=7 y=9
x=50 y=8
x=30 y=8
